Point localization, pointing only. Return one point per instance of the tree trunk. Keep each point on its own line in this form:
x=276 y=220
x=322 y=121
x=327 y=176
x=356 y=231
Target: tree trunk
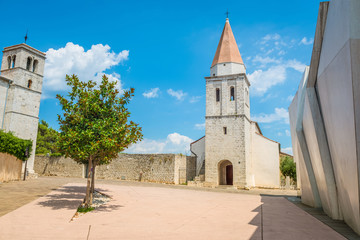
x=87 y=197
x=92 y=182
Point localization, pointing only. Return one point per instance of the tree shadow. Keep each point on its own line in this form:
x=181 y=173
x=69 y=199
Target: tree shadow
x=70 y=197
x=66 y=197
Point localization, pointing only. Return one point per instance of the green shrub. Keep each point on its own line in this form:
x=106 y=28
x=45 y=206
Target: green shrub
x=14 y=145
x=85 y=209
x=288 y=167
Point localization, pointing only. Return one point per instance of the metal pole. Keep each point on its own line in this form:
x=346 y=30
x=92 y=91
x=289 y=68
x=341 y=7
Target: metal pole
x=25 y=168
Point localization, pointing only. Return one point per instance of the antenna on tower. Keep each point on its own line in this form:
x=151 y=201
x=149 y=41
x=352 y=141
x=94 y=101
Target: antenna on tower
x=26 y=37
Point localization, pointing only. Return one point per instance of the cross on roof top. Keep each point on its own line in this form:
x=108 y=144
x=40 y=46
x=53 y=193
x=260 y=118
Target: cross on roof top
x=26 y=37
x=227 y=14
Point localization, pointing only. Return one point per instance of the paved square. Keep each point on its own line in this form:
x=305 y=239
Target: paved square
x=140 y=212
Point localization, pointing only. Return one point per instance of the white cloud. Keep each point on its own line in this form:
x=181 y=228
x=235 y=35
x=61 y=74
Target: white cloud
x=287 y=132
x=261 y=80
x=195 y=99
x=265 y=60
x=269 y=37
x=268 y=97
x=87 y=65
x=306 y=41
x=200 y=126
x=174 y=143
x=152 y=93
x=296 y=65
x=179 y=95
x=281 y=52
x=290 y=98
x=280 y=114
x=287 y=150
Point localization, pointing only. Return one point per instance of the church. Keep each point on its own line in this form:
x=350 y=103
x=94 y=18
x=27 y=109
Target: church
x=233 y=150
x=21 y=78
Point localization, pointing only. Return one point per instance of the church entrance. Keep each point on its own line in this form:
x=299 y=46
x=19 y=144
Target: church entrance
x=225 y=173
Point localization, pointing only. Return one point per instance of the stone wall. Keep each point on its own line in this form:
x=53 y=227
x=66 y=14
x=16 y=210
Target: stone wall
x=10 y=168
x=162 y=168
x=58 y=166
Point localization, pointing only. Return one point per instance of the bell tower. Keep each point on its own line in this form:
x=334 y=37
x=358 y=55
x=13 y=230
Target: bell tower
x=227 y=121
x=21 y=78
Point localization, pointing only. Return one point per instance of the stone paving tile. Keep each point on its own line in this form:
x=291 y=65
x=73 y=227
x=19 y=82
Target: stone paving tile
x=143 y=212
x=16 y=194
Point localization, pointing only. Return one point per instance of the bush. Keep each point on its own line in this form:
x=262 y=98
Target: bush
x=288 y=167
x=14 y=145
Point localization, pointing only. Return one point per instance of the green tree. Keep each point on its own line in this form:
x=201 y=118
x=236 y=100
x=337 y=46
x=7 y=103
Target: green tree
x=94 y=126
x=46 y=140
x=288 y=167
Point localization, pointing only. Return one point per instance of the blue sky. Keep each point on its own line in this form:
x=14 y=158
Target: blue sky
x=164 y=50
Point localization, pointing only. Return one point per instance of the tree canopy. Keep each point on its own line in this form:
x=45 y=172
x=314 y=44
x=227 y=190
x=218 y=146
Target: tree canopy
x=94 y=126
x=288 y=167
x=46 y=142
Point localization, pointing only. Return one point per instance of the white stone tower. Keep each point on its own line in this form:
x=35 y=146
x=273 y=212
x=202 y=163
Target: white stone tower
x=227 y=124
x=21 y=80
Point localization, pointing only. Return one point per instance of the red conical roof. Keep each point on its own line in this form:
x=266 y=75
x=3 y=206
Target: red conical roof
x=227 y=50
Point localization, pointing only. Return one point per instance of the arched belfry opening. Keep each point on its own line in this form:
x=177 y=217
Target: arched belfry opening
x=225 y=170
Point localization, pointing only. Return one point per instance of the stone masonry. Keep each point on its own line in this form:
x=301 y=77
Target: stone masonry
x=232 y=115
x=21 y=79
x=161 y=168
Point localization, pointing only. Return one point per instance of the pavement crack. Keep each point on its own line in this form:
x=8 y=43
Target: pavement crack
x=88 y=233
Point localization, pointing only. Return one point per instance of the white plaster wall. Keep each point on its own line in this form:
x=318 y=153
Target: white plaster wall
x=343 y=21
x=307 y=195
x=227 y=68
x=265 y=162
x=320 y=156
x=336 y=100
x=294 y=141
x=198 y=148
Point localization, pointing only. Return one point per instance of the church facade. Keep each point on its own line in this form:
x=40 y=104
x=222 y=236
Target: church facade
x=233 y=151
x=21 y=80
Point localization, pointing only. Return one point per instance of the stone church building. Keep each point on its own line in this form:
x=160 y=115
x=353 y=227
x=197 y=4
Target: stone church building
x=21 y=80
x=234 y=150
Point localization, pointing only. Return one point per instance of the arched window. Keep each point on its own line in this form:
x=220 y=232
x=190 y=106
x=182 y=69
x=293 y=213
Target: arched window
x=13 y=61
x=232 y=94
x=29 y=83
x=35 y=65
x=28 y=63
x=218 y=95
x=9 y=61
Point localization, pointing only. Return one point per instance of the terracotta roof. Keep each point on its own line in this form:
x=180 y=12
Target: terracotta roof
x=197 y=140
x=227 y=50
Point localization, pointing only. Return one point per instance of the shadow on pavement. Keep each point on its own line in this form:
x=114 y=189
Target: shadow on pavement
x=66 y=197
x=70 y=197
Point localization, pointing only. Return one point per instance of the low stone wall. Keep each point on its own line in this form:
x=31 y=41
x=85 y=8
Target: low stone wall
x=162 y=168
x=57 y=166
x=10 y=168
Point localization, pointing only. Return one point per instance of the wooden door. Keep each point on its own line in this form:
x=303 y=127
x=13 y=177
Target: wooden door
x=229 y=175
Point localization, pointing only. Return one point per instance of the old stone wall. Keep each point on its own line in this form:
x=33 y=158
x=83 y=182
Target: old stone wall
x=146 y=167
x=10 y=168
x=162 y=168
x=58 y=166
